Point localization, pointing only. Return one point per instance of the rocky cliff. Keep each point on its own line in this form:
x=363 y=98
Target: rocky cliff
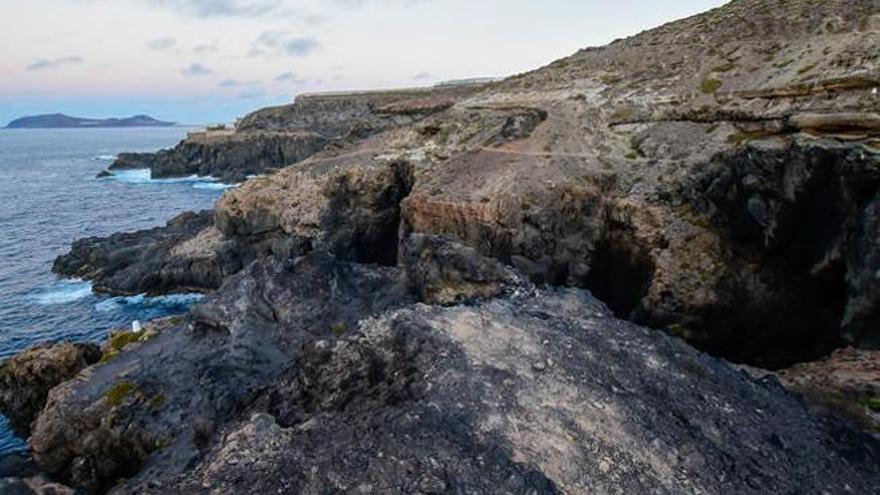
x=415 y=309
x=275 y=137
x=231 y=158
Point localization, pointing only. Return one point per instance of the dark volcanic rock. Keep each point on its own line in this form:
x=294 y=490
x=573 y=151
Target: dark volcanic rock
x=230 y=158
x=542 y=393
x=803 y=221
x=442 y=271
x=158 y=404
x=301 y=376
x=14 y=486
x=27 y=378
x=185 y=255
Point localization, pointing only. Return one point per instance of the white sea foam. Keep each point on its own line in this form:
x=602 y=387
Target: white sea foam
x=215 y=186
x=143 y=301
x=104 y=158
x=63 y=292
x=144 y=176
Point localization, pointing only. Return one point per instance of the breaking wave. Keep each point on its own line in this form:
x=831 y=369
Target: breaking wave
x=165 y=304
x=145 y=176
x=63 y=292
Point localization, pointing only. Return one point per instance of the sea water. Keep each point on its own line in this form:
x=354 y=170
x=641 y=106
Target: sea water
x=48 y=197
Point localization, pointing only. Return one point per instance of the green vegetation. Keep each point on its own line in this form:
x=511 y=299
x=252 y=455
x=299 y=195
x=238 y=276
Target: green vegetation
x=117 y=394
x=782 y=65
x=119 y=340
x=632 y=155
x=164 y=441
x=724 y=68
x=610 y=79
x=710 y=85
x=623 y=113
x=711 y=128
x=872 y=403
x=157 y=402
x=443 y=134
x=108 y=357
x=176 y=320
x=338 y=329
x=677 y=330
x=739 y=138
x=805 y=69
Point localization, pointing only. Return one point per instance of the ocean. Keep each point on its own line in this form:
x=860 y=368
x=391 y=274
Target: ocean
x=48 y=197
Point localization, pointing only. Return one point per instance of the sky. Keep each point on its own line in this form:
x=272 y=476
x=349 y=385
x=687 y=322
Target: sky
x=210 y=61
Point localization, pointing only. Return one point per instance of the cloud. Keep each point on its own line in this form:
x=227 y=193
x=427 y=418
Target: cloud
x=289 y=77
x=205 y=48
x=159 y=44
x=252 y=94
x=54 y=63
x=220 y=8
x=196 y=69
x=422 y=75
x=283 y=43
x=244 y=85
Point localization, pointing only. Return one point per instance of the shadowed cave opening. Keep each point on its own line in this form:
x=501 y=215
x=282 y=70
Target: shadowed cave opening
x=620 y=274
x=787 y=216
x=365 y=228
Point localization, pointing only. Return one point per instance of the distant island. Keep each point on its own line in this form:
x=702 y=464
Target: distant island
x=59 y=120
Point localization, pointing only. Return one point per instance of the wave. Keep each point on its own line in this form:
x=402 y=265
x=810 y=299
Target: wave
x=104 y=158
x=64 y=292
x=214 y=186
x=145 y=176
x=168 y=303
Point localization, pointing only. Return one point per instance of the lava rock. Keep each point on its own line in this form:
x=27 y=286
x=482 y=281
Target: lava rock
x=27 y=378
x=183 y=256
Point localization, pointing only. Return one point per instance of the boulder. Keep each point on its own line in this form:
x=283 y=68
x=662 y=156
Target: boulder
x=846 y=382
x=27 y=378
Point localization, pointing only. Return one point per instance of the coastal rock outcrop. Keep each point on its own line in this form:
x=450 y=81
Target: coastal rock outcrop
x=311 y=373
x=186 y=255
x=163 y=400
x=275 y=137
x=27 y=378
x=229 y=157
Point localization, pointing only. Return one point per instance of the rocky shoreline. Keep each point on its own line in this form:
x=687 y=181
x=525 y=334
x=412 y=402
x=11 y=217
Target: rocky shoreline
x=532 y=286
x=271 y=138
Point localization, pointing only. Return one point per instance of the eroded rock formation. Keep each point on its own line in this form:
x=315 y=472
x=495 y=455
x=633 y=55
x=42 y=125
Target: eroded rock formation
x=312 y=374
x=231 y=158
x=716 y=178
x=27 y=378
x=272 y=138
x=186 y=255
